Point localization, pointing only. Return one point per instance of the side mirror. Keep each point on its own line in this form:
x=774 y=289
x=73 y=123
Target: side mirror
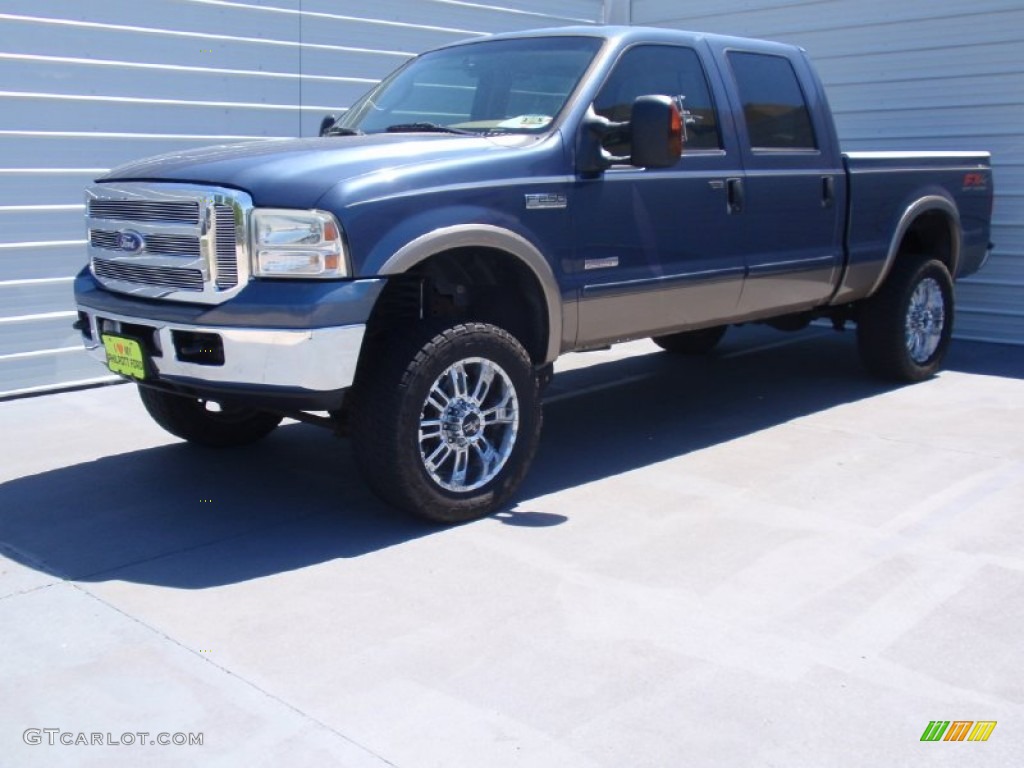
x=326 y=123
x=657 y=129
x=654 y=134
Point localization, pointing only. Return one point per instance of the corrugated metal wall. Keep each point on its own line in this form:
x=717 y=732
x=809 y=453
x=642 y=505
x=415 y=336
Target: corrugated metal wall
x=913 y=74
x=87 y=85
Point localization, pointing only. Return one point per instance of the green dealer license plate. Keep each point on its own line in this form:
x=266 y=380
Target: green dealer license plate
x=125 y=356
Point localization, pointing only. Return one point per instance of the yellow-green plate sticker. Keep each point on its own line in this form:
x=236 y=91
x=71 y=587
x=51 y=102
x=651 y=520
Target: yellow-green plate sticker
x=124 y=356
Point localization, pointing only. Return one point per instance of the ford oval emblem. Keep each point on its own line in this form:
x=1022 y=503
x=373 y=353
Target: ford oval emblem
x=129 y=241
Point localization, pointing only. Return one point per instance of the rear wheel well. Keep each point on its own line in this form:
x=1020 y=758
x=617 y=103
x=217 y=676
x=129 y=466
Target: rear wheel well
x=931 y=235
x=467 y=284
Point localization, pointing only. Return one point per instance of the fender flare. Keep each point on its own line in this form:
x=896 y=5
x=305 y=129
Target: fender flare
x=496 y=238
x=910 y=215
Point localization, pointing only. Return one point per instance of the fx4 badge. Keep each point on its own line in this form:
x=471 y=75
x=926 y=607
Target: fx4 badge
x=975 y=181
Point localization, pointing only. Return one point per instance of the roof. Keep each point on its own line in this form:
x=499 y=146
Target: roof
x=629 y=35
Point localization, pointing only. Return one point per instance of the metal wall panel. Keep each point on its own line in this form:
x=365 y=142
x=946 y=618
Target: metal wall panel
x=911 y=75
x=85 y=86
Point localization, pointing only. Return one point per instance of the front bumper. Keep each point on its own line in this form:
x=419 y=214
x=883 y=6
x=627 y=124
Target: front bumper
x=233 y=353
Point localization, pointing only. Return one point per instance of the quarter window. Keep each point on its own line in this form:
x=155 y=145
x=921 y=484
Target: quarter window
x=774 y=105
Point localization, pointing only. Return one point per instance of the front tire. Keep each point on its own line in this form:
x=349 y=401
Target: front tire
x=904 y=331
x=190 y=419
x=445 y=423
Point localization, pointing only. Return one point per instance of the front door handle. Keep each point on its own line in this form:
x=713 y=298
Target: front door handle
x=735 y=192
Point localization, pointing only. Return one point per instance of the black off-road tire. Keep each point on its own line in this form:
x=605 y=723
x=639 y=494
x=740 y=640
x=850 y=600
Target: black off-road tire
x=394 y=427
x=692 y=342
x=903 y=332
x=188 y=418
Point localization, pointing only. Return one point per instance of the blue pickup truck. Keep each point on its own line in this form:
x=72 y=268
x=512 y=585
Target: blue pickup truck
x=409 y=277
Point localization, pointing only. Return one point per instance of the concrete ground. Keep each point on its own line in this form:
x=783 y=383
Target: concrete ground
x=761 y=559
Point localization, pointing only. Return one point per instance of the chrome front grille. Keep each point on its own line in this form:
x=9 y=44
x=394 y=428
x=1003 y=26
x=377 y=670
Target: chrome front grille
x=180 y=242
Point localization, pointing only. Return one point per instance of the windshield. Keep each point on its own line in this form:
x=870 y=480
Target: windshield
x=497 y=86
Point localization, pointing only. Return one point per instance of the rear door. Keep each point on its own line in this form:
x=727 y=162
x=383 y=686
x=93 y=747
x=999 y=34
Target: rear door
x=793 y=200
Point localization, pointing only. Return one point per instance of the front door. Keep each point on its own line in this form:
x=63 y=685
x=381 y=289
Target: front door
x=659 y=249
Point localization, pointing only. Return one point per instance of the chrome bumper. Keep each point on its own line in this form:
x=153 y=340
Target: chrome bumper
x=316 y=360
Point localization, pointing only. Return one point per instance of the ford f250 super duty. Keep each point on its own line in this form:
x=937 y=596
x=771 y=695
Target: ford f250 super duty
x=409 y=276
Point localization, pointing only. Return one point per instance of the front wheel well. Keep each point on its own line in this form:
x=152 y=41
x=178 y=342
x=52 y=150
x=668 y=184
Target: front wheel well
x=467 y=284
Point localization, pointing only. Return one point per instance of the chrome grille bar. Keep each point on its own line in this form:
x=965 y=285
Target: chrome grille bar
x=227 y=248
x=171 y=245
x=99 y=238
x=145 y=210
x=166 y=277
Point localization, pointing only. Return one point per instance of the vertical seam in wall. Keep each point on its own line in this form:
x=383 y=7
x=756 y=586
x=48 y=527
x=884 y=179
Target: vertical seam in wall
x=302 y=78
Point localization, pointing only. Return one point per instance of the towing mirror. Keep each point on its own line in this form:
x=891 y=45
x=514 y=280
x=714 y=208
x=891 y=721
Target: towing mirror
x=654 y=133
x=326 y=123
x=657 y=128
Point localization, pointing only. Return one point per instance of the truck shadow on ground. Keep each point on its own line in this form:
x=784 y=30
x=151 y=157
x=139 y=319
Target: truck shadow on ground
x=677 y=405
x=190 y=518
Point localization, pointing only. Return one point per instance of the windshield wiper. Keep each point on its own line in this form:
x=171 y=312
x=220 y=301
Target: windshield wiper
x=426 y=128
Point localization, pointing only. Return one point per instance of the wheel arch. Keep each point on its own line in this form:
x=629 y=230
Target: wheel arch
x=930 y=224
x=515 y=253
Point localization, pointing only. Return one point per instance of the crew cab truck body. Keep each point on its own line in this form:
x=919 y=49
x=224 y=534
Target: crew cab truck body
x=410 y=276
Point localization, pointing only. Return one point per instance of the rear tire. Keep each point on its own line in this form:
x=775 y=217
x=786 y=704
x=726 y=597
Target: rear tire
x=691 y=342
x=189 y=419
x=903 y=332
x=446 y=422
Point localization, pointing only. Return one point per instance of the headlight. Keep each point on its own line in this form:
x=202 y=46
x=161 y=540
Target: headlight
x=293 y=243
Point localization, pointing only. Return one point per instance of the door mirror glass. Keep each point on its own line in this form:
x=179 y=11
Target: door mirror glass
x=657 y=132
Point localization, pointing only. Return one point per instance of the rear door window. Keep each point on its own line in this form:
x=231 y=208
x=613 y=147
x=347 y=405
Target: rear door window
x=774 y=106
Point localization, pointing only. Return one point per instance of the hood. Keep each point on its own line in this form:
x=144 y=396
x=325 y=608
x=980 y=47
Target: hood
x=297 y=172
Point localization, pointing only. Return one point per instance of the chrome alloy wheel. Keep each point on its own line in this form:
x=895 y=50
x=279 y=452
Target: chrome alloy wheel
x=468 y=424
x=925 y=321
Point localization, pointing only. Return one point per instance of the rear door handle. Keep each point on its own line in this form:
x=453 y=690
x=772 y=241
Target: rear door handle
x=735 y=192
x=828 y=191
